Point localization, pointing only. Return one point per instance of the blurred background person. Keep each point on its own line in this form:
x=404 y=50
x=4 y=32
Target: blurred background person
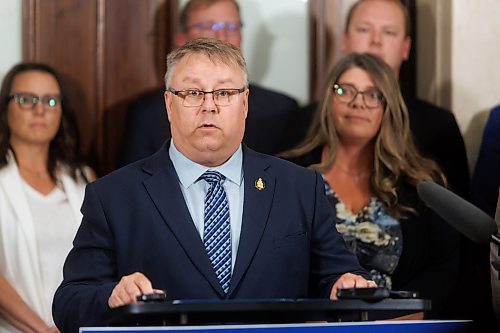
x=382 y=28
x=360 y=141
x=42 y=181
x=269 y=112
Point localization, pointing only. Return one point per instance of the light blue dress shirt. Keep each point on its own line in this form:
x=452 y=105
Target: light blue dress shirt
x=194 y=190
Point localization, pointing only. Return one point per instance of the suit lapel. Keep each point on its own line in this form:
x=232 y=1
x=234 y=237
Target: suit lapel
x=164 y=189
x=260 y=184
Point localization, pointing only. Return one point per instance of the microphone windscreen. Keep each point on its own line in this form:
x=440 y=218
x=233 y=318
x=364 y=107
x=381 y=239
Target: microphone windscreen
x=461 y=214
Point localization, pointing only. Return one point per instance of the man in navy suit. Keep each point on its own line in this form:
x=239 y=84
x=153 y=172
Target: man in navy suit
x=269 y=111
x=144 y=226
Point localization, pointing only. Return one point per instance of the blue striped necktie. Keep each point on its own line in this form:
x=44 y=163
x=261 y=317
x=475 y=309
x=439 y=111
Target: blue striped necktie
x=217 y=232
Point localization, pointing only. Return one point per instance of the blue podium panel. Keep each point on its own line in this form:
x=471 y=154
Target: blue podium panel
x=428 y=326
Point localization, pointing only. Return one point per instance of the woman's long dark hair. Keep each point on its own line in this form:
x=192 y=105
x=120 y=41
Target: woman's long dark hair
x=64 y=149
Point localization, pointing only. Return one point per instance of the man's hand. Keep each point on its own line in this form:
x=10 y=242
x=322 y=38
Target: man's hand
x=129 y=287
x=349 y=280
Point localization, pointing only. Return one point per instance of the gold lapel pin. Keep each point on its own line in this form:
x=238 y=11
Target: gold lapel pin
x=260 y=184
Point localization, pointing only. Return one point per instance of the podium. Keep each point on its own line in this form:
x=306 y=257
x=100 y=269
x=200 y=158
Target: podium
x=273 y=316
x=419 y=326
x=203 y=312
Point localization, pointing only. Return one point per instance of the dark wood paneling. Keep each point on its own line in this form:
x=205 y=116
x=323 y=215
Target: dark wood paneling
x=135 y=47
x=62 y=34
x=109 y=52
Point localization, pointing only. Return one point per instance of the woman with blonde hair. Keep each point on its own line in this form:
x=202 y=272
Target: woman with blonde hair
x=361 y=143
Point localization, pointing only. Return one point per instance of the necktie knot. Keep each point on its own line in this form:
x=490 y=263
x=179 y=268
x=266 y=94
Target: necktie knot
x=212 y=177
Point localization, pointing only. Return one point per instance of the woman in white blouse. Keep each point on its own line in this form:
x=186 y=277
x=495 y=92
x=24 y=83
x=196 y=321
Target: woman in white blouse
x=42 y=182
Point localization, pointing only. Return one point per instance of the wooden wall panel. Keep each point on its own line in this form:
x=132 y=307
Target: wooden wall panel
x=62 y=34
x=135 y=47
x=109 y=51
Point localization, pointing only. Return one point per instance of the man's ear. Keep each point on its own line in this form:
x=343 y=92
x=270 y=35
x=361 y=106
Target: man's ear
x=406 y=48
x=343 y=41
x=168 y=100
x=245 y=101
x=180 y=38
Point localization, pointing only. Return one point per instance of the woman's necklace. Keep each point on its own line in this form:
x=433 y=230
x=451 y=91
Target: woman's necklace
x=355 y=176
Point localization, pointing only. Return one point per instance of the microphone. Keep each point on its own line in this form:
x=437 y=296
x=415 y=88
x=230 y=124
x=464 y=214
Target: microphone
x=461 y=214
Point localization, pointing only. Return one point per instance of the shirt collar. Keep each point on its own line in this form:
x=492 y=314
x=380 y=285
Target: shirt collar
x=189 y=172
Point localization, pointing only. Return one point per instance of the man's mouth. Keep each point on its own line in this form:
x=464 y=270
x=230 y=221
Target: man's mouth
x=208 y=125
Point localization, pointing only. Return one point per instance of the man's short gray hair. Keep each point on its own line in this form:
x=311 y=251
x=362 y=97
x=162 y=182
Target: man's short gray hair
x=216 y=50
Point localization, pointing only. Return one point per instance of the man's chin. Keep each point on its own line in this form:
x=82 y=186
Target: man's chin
x=210 y=143
x=212 y=155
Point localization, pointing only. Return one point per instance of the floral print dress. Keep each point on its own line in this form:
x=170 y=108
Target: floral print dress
x=372 y=234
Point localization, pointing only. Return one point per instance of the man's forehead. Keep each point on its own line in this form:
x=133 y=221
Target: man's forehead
x=213 y=12
x=365 y=12
x=199 y=67
x=207 y=60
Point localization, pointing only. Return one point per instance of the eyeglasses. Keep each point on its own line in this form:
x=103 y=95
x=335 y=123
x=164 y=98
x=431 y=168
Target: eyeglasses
x=27 y=101
x=347 y=93
x=193 y=97
x=210 y=27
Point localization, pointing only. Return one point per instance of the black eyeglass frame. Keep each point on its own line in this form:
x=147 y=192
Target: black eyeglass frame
x=34 y=99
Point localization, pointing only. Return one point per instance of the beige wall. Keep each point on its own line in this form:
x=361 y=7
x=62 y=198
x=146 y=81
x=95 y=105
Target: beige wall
x=10 y=34
x=272 y=32
x=458 y=61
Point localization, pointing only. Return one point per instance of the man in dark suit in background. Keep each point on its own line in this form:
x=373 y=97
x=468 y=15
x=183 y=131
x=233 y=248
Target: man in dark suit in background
x=148 y=226
x=269 y=111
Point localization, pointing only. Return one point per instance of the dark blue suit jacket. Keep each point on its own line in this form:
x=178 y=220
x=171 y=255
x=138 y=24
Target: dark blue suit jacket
x=267 y=126
x=486 y=177
x=136 y=220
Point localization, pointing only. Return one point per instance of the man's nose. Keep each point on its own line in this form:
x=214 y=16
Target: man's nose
x=209 y=102
x=376 y=37
x=222 y=35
